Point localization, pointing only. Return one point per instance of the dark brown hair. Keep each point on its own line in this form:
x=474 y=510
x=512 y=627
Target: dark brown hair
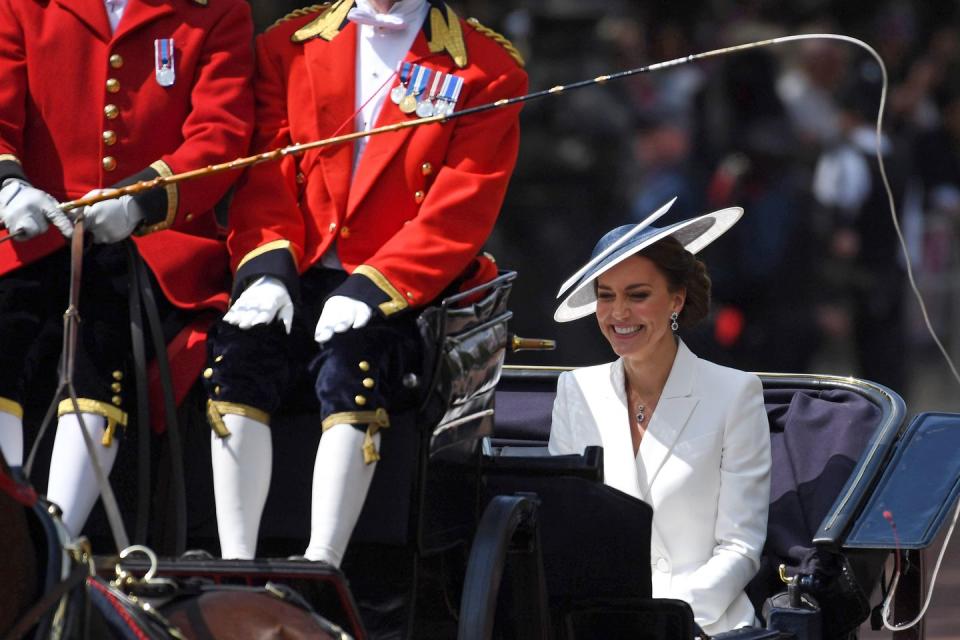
x=682 y=270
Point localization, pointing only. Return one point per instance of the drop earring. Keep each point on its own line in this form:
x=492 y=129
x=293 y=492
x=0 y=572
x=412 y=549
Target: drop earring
x=673 y=321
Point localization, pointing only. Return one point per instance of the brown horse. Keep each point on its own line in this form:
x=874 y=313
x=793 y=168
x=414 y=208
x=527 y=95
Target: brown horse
x=39 y=579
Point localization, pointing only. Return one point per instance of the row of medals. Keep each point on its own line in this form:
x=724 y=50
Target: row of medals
x=411 y=96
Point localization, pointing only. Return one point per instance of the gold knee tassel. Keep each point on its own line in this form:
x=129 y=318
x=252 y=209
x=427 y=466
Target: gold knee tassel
x=109 y=432
x=216 y=421
x=380 y=420
x=370 y=453
x=375 y=420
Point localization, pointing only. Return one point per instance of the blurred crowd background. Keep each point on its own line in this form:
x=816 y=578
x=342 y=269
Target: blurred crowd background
x=812 y=279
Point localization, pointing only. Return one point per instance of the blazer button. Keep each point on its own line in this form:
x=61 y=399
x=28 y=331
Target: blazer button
x=113 y=85
x=111 y=111
x=662 y=565
x=426 y=168
x=344 y=232
x=419 y=196
x=109 y=163
x=109 y=138
x=116 y=61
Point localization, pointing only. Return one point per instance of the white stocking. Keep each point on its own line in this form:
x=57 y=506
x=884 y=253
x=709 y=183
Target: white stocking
x=11 y=438
x=341 y=480
x=73 y=483
x=242 y=464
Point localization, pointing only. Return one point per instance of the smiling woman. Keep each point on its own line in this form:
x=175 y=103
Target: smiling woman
x=687 y=436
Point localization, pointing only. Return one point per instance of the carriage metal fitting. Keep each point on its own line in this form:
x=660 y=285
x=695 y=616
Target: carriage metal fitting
x=782 y=570
x=81 y=552
x=126 y=579
x=531 y=344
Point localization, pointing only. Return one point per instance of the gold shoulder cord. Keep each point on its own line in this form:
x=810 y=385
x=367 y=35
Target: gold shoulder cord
x=498 y=38
x=296 y=13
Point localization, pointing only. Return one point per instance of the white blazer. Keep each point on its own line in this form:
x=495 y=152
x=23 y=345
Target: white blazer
x=703 y=465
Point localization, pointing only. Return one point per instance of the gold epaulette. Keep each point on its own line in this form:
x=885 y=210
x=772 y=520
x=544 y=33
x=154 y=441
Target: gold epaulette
x=302 y=11
x=498 y=38
x=327 y=25
x=446 y=35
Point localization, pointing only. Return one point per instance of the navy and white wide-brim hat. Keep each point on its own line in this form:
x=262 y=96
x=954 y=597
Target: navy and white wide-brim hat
x=621 y=243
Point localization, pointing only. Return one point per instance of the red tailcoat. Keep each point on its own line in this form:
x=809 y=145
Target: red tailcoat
x=81 y=108
x=422 y=200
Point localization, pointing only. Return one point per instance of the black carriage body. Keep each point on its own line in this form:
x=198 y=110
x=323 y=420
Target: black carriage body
x=471 y=531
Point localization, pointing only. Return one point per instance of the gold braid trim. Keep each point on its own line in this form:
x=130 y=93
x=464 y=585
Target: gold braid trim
x=113 y=415
x=498 y=38
x=396 y=303
x=296 y=13
x=446 y=35
x=267 y=248
x=327 y=25
x=375 y=420
x=13 y=408
x=10 y=157
x=173 y=200
x=216 y=409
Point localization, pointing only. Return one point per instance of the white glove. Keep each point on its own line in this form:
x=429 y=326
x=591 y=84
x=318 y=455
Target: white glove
x=265 y=299
x=25 y=211
x=339 y=314
x=111 y=220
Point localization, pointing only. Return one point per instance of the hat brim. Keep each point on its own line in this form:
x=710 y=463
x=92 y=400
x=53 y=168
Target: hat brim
x=694 y=234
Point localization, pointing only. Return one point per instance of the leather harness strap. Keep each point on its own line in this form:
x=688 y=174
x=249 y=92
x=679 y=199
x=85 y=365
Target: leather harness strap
x=143 y=409
x=49 y=600
x=170 y=408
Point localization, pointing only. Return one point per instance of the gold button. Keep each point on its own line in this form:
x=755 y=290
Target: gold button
x=216 y=390
x=117 y=400
x=368 y=383
x=118 y=375
x=300 y=178
x=189 y=217
x=360 y=400
x=218 y=358
x=109 y=138
x=426 y=168
x=116 y=61
x=344 y=232
x=409 y=295
x=113 y=85
x=116 y=387
x=208 y=373
x=333 y=227
x=109 y=163
x=111 y=111
x=419 y=196
x=364 y=365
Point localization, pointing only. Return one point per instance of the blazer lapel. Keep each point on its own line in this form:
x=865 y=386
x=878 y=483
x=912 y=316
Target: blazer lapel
x=92 y=13
x=139 y=13
x=607 y=400
x=382 y=148
x=333 y=78
x=670 y=418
